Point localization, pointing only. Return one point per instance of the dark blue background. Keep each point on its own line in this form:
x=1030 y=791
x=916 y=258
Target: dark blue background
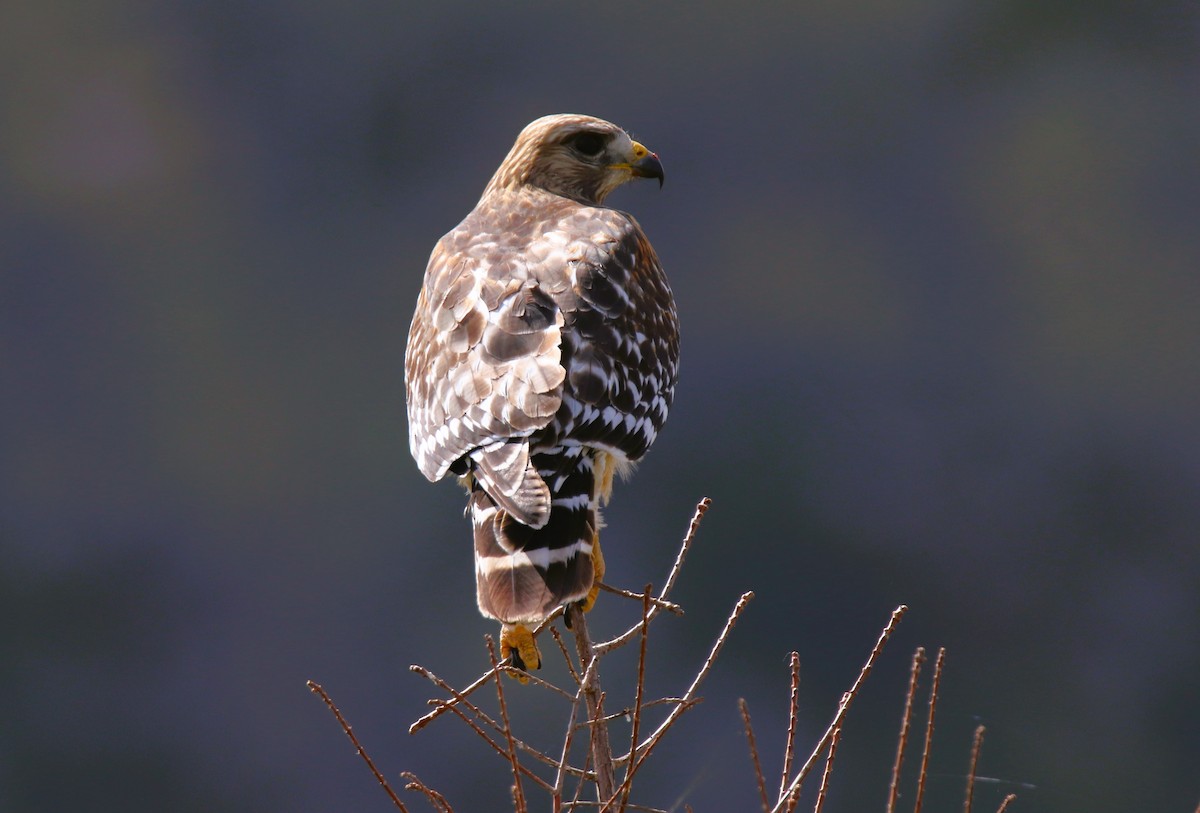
x=938 y=268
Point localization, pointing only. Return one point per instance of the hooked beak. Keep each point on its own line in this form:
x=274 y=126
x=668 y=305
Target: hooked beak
x=644 y=165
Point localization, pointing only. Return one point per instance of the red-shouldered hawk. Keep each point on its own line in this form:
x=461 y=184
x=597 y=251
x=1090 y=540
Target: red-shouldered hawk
x=541 y=360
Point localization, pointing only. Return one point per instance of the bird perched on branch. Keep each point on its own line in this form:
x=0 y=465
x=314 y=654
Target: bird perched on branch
x=541 y=361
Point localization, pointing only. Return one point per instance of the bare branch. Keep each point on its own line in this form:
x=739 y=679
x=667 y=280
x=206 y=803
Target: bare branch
x=601 y=750
x=562 y=647
x=758 y=774
x=560 y=774
x=443 y=707
x=436 y=799
x=316 y=689
x=460 y=699
x=843 y=708
x=518 y=791
x=933 y=696
x=1004 y=805
x=669 y=606
x=627 y=783
x=688 y=538
x=976 y=747
x=587 y=761
x=495 y=746
x=789 y=748
x=643 y=750
x=902 y=740
x=833 y=744
x=628 y=711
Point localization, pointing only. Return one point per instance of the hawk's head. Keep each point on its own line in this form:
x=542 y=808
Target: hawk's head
x=578 y=157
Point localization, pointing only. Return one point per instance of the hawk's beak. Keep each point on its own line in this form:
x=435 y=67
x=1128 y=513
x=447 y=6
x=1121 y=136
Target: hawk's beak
x=644 y=165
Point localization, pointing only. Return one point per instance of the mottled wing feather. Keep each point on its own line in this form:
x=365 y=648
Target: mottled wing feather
x=482 y=364
x=620 y=346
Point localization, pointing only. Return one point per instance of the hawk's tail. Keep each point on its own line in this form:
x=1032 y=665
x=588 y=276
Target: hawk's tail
x=521 y=573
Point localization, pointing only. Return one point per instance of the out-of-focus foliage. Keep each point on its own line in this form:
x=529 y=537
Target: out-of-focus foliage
x=938 y=266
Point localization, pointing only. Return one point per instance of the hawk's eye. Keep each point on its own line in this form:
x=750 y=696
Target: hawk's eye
x=589 y=145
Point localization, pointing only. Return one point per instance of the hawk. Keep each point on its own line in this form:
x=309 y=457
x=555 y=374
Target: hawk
x=541 y=361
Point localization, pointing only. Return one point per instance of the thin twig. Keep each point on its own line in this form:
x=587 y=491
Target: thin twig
x=1004 y=805
x=758 y=774
x=902 y=740
x=316 y=689
x=530 y=678
x=638 y=756
x=587 y=760
x=933 y=697
x=518 y=791
x=793 y=799
x=436 y=799
x=789 y=748
x=627 y=712
x=561 y=772
x=701 y=508
x=499 y=749
x=459 y=695
x=976 y=747
x=459 y=699
x=669 y=606
x=843 y=708
x=688 y=538
x=562 y=647
x=833 y=744
x=627 y=782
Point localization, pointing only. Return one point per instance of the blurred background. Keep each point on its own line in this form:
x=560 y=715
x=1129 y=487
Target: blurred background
x=938 y=266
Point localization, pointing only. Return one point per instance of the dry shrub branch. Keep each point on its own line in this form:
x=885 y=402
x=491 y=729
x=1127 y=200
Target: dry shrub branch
x=584 y=772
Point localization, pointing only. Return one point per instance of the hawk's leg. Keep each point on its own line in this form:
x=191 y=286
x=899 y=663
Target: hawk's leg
x=597 y=574
x=606 y=467
x=587 y=602
x=516 y=642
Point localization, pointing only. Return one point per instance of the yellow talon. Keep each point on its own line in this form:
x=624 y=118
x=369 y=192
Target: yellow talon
x=516 y=642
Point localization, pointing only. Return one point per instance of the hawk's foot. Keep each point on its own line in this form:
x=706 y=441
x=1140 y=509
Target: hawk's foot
x=516 y=643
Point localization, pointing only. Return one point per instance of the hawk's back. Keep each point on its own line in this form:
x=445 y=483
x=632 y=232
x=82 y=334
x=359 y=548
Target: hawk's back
x=541 y=358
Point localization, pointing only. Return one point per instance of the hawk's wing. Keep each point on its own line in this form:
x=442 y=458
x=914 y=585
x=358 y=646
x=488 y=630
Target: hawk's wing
x=483 y=371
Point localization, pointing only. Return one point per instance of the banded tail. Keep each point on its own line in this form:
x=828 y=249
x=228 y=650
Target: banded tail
x=523 y=573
